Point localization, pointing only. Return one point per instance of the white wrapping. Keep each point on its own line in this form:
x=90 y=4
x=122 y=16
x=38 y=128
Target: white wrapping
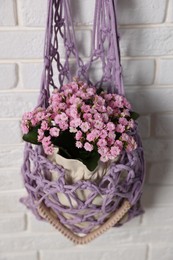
x=74 y=172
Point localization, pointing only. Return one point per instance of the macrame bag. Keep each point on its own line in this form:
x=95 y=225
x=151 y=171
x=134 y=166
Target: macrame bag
x=79 y=203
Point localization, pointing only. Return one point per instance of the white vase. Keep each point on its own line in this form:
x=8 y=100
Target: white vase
x=76 y=171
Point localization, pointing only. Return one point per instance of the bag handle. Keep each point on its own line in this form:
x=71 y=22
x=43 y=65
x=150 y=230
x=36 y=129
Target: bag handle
x=60 y=26
x=105 y=30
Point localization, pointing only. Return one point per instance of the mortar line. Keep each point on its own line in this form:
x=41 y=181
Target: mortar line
x=15 y=12
x=166 y=12
x=18 y=15
x=10 y=119
x=40 y=60
x=169 y=3
x=38 y=255
x=157 y=70
x=86 y=27
x=148 y=252
x=127 y=87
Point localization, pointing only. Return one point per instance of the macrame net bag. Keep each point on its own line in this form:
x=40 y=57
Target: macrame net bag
x=120 y=189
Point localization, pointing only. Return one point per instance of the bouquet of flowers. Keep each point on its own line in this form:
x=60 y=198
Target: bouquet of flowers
x=85 y=123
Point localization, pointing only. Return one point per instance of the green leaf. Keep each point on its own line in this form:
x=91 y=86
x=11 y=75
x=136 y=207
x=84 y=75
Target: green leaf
x=32 y=136
x=63 y=152
x=91 y=161
x=66 y=141
x=99 y=90
x=134 y=115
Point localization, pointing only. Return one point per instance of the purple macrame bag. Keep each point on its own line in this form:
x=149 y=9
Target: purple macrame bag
x=121 y=199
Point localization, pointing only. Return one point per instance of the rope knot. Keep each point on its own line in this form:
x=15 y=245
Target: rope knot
x=98 y=52
x=46 y=62
x=59 y=23
x=64 y=71
x=83 y=69
x=106 y=30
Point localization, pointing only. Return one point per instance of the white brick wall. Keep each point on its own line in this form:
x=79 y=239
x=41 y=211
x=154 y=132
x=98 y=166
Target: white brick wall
x=147 y=50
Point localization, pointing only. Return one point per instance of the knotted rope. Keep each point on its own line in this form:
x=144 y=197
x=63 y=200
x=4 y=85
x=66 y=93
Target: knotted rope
x=42 y=191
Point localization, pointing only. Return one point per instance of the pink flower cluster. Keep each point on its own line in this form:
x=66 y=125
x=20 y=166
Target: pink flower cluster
x=100 y=122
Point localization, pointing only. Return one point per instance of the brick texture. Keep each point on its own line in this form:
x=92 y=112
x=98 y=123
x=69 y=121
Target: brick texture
x=146 y=33
x=141 y=12
x=8 y=76
x=8 y=13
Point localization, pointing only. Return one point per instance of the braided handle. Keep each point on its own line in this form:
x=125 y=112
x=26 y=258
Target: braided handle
x=112 y=221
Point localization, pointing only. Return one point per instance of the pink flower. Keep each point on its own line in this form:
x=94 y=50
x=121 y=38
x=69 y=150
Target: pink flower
x=104 y=158
x=110 y=141
x=91 y=136
x=125 y=113
x=54 y=131
x=85 y=108
x=91 y=91
x=115 y=151
x=77 y=101
x=63 y=117
x=97 y=116
x=105 y=117
x=72 y=99
x=119 y=144
x=109 y=110
x=46 y=140
x=72 y=129
x=28 y=115
x=57 y=119
x=95 y=132
x=119 y=101
x=102 y=143
x=62 y=106
x=40 y=135
x=101 y=109
x=44 y=125
x=110 y=126
x=34 y=121
x=99 y=100
x=75 y=122
x=131 y=123
x=85 y=127
x=108 y=97
x=103 y=134
x=93 y=111
x=88 y=147
x=49 y=149
x=120 y=128
x=103 y=151
x=98 y=124
x=123 y=121
x=73 y=112
x=63 y=125
x=78 y=135
x=111 y=135
x=95 y=119
x=74 y=86
x=25 y=129
x=126 y=103
x=132 y=145
x=79 y=144
x=87 y=116
x=40 y=116
x=68 y=91
x=125 y=137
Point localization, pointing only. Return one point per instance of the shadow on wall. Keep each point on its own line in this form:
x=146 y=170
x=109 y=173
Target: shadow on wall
x=148 y=101
x=152 y=103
